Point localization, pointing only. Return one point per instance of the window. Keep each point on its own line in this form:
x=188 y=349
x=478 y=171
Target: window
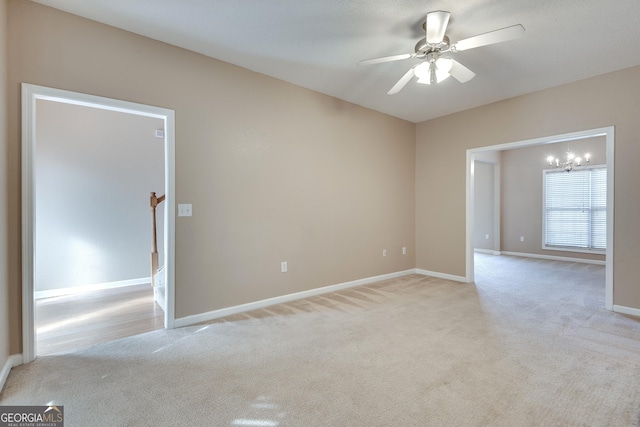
x=575 y=209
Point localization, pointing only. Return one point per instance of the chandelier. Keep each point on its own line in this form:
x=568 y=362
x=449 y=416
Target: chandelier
x=570 y=163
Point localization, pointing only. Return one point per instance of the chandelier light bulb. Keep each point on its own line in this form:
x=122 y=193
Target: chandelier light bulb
x=570 y=163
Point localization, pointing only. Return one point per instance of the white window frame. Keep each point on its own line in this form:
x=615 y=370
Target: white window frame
x=544 y=216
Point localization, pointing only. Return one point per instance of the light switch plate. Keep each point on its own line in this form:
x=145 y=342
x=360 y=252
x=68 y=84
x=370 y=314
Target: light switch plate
x=184 y=209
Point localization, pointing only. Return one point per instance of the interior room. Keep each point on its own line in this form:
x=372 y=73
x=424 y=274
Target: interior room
x=354 y=227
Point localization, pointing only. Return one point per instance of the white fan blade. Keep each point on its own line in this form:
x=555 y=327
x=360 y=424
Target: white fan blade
x=491 y=37
x=402 y=82
x=436 y=26
x=460 y=72
x=387 y=59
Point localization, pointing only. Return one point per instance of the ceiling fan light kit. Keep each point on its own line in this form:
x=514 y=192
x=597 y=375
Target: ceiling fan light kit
x=435 y=68
x=433 y=71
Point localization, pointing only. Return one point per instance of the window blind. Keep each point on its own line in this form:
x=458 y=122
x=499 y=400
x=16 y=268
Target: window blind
x=575 y=208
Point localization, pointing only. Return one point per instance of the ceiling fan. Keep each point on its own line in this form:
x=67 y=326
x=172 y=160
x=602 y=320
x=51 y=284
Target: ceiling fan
x=435 y=67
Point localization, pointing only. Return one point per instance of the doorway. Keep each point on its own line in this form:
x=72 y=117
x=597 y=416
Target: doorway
x=103 y=259
x=607 y=133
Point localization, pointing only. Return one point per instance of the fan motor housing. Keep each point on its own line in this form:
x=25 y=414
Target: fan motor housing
x=422 y=47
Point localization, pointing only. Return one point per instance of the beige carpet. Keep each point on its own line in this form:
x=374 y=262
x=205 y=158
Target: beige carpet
x=530 y=345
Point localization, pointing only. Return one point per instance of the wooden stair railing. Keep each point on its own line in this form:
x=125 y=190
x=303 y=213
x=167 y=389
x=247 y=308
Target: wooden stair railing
x=154 y=201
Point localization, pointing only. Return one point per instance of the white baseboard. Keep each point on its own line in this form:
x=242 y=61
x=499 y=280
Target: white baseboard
x=11 y=362
x=487 y=251
x=626 y=310
x=90 y=288
x=215 y=314
x=441 y=275
x=556 y=258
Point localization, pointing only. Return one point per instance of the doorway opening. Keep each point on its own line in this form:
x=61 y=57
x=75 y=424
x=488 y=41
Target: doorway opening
x=481 y=153
x=91 y=261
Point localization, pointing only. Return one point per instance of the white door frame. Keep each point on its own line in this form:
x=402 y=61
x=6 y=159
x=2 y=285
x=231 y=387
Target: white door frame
x=31 y=93
x=609 y=134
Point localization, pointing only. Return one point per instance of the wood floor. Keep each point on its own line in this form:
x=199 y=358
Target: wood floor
x=73 y=321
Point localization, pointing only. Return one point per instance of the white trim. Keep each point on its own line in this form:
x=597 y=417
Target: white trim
x=609 y=134
x=28 y=223
x=442 y=275
x=228 y=311
x=169 y=264
x=627 y=310
x=30 y=93
x=610 y=148
x=486 y=251
x=469 y=217
x=574 y=249
x=11 y=362
x=73 y=290
x=556 y=258
x=497 y=204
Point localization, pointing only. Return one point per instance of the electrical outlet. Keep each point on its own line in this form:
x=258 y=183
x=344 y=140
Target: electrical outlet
x=486 y=236
x=283 y=266
x=404 y=250
x=522 y=238
x=184 y=209
x=384 y=252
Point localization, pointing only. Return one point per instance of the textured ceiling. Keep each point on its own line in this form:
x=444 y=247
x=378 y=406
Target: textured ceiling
x=316 y=44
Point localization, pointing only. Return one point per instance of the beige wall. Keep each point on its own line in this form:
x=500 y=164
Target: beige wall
x=441 y=144
x=522 y=194
x=275 y=172
x=5 y=300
